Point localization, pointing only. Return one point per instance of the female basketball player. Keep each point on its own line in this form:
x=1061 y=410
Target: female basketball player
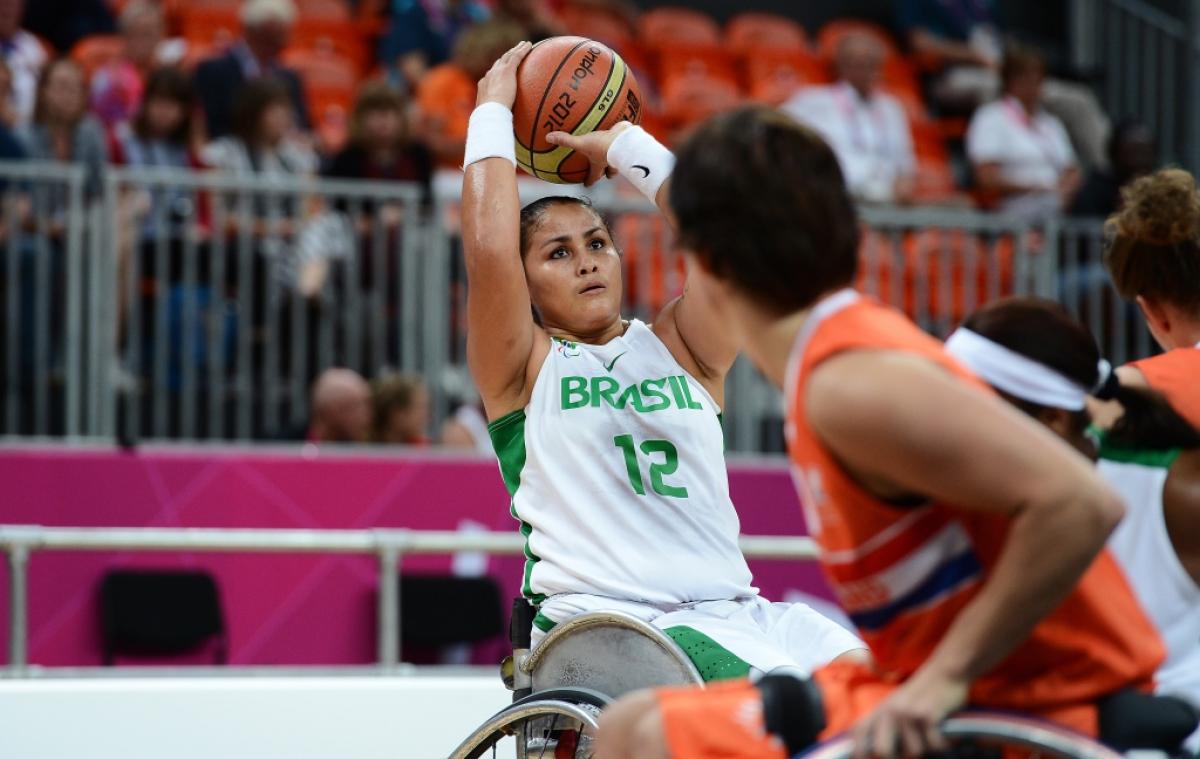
x=1046 y=364
x=608 y=430
x=966 y=541
x=1153 y=255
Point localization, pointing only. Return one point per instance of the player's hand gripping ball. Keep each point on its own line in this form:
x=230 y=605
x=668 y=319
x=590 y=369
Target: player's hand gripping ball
x=573 y=85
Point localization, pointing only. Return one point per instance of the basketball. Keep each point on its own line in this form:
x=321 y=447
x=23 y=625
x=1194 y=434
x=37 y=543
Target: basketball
x=574 y=85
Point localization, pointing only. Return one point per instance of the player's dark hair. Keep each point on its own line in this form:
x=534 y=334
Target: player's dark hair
x=534 y=213
x=1043 y=331
x=760 y=200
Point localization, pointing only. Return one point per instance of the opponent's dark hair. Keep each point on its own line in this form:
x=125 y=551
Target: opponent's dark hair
x=1044 y=332
x=761 y=201
x=533 y=214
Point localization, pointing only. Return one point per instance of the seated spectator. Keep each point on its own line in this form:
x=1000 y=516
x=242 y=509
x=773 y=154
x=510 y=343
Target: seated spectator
x=24 y=56
x=341 y=407
x=263 y=140
x=62 y=129
x=467 y=429
x=10 y=146
x=963 y=38
x=866 y=128
x=422 y=33
x=535 y=17
x=382 y=145
x=1131 y=154
x=400 y=410
x=1020 y=153
x=446 y=96
x=266 y=27
x=117 y=87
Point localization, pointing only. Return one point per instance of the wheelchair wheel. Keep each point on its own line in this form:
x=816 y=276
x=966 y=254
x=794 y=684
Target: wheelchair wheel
x=553 y=724
x=980 y=734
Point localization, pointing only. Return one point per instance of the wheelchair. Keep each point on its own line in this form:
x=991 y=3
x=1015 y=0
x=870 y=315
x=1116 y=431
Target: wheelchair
x=560 y=687
x=583 y=664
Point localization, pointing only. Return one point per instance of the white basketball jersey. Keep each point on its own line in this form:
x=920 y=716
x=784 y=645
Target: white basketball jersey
x=1142 y=546
x=617 y=474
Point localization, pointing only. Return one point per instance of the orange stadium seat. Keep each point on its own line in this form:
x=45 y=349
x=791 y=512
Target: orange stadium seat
x=97 y=51
x=599 y=24
x=692 y=98
x=832 y=34
x=675 y=60
x=211 y=25
x=678 y=25
x=755 y=32
x=773 y=76
x=343 y=38
x=322 y=10
x=323 y=73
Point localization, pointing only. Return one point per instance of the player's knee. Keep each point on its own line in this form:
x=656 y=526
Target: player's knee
x=631 y=727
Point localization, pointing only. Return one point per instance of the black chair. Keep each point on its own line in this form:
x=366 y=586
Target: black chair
x=443 y=610
x=160 y=613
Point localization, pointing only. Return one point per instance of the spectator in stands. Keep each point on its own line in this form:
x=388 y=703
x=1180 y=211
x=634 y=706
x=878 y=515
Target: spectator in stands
x=446 y=96
x=866 y=128
x=962 y=37
x=1020 y=153
x=341 y=407
x=25 y=58
x=62 y=129
x=422 y=33
x=382 y=145
x=117 y=87
x=266 y=28
x=400 y=405
x=62 y=23
x=535 y=17
x=10 y=146
x=467 y=429
x=263 y=141
x=1132 y=153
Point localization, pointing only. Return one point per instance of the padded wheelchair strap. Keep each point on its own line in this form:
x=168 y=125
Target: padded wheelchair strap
x=792 y=710
x=1133 y=720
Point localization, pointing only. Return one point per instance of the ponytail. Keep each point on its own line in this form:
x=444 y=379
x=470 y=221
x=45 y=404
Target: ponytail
x=1149 y=422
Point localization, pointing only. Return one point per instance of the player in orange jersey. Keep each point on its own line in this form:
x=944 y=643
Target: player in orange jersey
x=965 y=540
x=1154 y=258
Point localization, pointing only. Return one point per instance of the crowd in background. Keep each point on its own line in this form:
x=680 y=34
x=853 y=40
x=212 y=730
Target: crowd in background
x=951 y=111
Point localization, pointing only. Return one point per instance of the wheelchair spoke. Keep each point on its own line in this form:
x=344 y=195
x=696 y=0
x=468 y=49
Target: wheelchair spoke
x=546 y=738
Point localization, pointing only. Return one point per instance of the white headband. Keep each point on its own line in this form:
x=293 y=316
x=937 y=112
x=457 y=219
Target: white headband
x=1017 y=375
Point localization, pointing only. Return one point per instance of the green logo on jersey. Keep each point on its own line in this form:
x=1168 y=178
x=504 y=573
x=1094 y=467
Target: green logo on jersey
x=643 y=397
x=608 y=367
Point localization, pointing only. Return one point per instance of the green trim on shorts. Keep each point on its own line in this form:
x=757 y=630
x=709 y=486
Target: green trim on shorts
x=543 y=623
x=714 y=661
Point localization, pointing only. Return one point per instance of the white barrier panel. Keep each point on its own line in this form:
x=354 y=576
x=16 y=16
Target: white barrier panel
x=254 y=717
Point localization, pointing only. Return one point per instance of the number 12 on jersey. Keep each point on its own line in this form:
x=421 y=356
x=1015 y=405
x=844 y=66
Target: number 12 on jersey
x=658 y=469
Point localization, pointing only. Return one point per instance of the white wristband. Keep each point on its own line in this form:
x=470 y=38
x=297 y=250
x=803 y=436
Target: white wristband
x=642 y=160
x=490 y=135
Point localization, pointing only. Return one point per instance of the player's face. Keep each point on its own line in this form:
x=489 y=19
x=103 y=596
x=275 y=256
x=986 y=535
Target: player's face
x=574 y=271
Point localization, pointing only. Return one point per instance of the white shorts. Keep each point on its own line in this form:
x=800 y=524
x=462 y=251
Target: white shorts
x=762 y=634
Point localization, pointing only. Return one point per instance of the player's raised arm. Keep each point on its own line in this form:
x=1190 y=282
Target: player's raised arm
x=692 y=325
x=500 y=330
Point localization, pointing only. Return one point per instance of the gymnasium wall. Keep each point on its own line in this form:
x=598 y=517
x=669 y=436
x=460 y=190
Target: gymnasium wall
x=287 y=608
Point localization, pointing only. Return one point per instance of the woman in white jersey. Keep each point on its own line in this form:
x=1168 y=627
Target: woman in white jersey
x=608 y=430
x=1047 y=364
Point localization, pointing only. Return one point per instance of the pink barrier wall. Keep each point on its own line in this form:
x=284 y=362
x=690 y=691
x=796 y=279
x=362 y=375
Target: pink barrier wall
x=287 y=609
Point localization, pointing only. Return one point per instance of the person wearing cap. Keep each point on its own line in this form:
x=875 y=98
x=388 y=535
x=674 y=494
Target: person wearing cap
x=266 y=28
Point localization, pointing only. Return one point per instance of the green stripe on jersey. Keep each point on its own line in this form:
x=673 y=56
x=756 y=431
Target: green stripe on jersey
x=508 y=439
x=712 y=660
x=1152 y=459
x=543 y=623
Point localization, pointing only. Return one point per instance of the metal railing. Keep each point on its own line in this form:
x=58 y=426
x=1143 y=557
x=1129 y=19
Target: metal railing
x=389 y=546
x=172 y=304
x=1148 y=56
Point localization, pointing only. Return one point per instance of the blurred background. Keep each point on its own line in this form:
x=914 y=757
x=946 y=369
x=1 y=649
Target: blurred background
x=232 y=294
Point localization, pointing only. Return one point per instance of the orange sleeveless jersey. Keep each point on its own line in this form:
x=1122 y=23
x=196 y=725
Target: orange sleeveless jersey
x=1176 y=374
x=904 y=573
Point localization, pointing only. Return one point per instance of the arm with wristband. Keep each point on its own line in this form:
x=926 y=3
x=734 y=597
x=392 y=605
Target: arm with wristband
x=693 y=326
x=501 y=336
